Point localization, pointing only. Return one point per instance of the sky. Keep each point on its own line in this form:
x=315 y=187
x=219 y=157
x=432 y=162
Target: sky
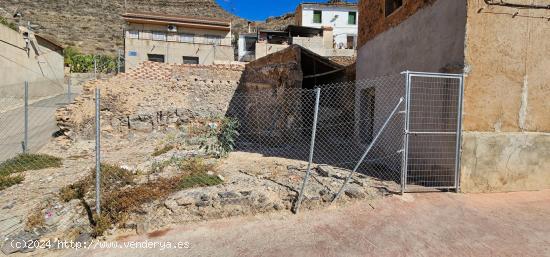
x=259 y=10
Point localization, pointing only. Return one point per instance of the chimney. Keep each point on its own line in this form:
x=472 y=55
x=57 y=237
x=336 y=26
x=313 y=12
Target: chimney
x=328 y=37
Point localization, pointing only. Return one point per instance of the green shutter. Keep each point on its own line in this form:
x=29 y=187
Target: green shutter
x=317 y=17
x=352 y=18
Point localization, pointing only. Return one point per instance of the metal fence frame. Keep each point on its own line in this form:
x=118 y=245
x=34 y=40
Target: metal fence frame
x=458 y=132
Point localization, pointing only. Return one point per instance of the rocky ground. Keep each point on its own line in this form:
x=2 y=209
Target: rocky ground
x=252 y=184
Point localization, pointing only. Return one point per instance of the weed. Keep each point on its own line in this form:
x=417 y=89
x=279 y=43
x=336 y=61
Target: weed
x=24 y=162
x=199 y=179
x=9 y=24
x=194 y=165
x=8 y=181
x=162 y=150
x=101 y=224
x=35 y=219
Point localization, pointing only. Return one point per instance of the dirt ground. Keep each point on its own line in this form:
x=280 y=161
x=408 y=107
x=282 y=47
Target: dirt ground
x=432 y=224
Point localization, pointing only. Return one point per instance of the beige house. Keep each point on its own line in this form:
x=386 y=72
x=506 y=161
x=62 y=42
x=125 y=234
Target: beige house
x=502 y=49
x=176 y=39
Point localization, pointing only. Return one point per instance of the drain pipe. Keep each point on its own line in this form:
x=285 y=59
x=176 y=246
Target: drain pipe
x=515 y=5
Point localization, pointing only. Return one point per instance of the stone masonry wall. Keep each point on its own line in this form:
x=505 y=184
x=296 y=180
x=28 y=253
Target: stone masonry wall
x=152 y=96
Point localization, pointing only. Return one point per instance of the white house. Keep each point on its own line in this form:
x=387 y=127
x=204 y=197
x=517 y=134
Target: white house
x=341 y=16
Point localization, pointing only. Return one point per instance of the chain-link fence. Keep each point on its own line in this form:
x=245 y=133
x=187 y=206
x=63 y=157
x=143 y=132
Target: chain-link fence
x=27 y=120
x=149 y=149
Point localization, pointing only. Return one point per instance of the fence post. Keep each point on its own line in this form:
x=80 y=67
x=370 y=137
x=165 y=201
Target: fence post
x=405 y=153
x=311 y=148
x=26 y=122
x=95 y=68
x=459 y=134
x=69 y=93
x=368 y=150
x=97 y=150
x=118 y=61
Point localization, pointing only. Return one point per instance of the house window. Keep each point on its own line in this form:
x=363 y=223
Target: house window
x=133 y=34
x=392 y=5
x=213 y=39
x=144 y=35
x=187 y=38
x=352 y=18
x=190 y=60
x=155 y=58
x=159 y=36
x=317 y=16
x=172 y=37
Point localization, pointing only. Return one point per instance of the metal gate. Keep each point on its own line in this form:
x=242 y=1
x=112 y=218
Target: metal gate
x=432 y=131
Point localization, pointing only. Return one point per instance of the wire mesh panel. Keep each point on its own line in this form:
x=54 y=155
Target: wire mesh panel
x=275 y=122
x=433 y=127
x=351 y=115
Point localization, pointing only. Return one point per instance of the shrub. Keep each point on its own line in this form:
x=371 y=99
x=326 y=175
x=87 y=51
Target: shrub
x=24 y=162
x=83 y=63
x=112 y=177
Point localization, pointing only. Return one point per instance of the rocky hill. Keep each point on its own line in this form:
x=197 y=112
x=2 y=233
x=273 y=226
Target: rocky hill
x=95 y=26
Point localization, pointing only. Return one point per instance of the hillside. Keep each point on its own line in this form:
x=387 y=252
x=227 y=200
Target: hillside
x=94 y=26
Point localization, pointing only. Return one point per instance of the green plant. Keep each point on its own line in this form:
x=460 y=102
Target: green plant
x=199 y=179
x=83 y=63
x=8 y=24
x=221 y=139
x=24 y=162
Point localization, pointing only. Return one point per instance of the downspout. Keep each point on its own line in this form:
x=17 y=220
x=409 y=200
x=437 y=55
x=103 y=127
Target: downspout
x=526 y=6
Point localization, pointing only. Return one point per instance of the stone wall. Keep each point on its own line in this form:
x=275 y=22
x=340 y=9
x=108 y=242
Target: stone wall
x=276 y=81
x=153 y=96
x=506 y=121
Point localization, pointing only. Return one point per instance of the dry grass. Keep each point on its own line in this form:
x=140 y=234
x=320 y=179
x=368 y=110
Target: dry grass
x=121 y=196
x=24 y=162
x=112 y=177
x=8 y=181
x=162 y=150
x=35 y=219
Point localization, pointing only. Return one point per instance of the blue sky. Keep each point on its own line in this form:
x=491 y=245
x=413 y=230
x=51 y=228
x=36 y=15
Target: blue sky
x=259 y=10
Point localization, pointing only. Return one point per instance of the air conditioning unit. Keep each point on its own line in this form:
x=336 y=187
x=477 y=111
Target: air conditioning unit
x=172 y=28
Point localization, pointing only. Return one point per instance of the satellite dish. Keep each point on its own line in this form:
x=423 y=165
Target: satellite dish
x=172 y=28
